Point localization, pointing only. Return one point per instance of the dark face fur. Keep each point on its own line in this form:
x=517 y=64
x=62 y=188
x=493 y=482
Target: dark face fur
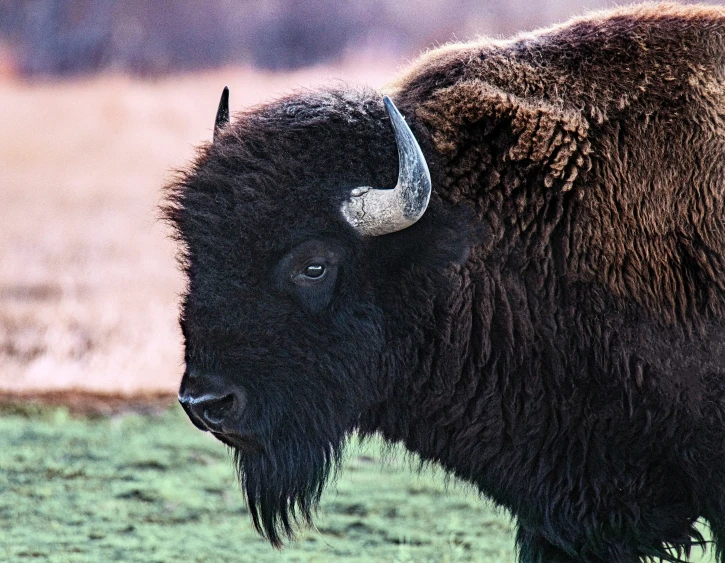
x=300 y=324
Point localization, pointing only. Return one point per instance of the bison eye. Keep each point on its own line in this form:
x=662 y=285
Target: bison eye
x=314 y=271
x=308 y=272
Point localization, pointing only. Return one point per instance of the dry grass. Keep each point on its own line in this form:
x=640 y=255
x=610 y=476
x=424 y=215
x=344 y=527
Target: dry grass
x=88 y=283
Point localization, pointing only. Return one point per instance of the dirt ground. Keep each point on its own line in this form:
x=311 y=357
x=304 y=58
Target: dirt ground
x=88 y=282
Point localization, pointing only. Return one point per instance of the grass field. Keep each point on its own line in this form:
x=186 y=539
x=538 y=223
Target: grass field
x=153 y=488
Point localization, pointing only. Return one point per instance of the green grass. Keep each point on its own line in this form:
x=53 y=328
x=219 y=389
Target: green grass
x=140 y=488
x=153 y=488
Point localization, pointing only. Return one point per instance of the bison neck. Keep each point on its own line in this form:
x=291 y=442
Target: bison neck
x=476 y=397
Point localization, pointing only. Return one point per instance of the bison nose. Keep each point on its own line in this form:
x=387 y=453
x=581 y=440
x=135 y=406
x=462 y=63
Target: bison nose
x=210 y=402
x=210 y=412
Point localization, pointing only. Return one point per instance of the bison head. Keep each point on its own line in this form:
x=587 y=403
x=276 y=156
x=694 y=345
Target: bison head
x=311 y=284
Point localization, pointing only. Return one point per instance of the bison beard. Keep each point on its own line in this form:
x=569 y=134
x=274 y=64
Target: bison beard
x=284 y=482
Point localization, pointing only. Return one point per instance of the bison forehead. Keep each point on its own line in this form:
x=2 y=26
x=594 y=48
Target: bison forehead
x=278 y=174
x=319 y=138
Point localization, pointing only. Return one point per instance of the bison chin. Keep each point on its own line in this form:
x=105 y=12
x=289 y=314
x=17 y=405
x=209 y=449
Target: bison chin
x=283 y=482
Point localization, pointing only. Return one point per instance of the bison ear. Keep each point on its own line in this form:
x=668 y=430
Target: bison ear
x=473 y=113
x=222 y=113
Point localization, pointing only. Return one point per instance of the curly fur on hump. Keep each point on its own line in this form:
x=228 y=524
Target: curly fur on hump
x=552 y=329
x=642 y=87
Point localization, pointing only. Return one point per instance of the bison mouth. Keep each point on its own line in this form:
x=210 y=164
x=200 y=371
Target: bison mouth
x=283 y=456
x=240 y=442
x=218 y=418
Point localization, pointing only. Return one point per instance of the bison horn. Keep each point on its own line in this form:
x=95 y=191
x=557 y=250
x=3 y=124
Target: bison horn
x=222 y=113
x=378 y=212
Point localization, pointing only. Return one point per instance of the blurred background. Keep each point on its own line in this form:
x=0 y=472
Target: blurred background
x=145 y=37
x=101 y=102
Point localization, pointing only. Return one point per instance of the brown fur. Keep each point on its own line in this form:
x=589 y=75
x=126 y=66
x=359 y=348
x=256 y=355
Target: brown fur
x=639 y=93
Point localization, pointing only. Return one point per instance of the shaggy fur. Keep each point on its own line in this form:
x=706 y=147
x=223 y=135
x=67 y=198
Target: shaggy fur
x=552 y=329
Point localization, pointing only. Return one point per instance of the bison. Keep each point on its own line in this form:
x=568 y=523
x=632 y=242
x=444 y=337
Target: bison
x=514 y=265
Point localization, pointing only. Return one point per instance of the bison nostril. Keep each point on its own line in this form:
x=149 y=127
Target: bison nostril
x=208 y=412
x=214 y=411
